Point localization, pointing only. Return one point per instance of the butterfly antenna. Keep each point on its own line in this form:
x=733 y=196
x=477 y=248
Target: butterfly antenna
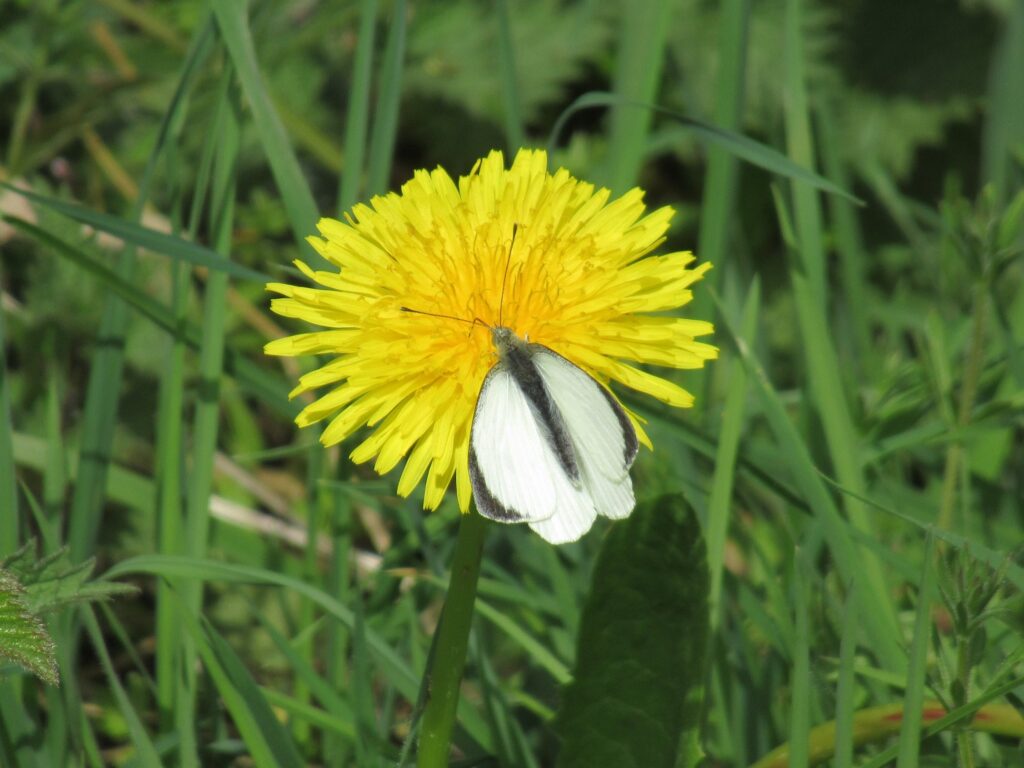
x=437 y=314
x=504 y=277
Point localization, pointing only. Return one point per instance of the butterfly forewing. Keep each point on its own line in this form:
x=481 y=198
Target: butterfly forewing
x=512 y=466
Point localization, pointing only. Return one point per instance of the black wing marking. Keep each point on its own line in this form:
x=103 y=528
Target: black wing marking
x=630 y=441
x=488 y=506
x=518 y=361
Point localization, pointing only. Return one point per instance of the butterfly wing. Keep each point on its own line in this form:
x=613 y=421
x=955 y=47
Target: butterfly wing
x=602 y=435
x=512 y=467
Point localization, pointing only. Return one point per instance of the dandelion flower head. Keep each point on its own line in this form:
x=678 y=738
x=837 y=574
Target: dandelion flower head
x=581 y=278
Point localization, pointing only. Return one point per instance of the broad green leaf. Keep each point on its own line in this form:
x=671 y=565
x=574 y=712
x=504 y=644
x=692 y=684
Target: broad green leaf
x=456 y=57
x=23 y=637
x=638 y=684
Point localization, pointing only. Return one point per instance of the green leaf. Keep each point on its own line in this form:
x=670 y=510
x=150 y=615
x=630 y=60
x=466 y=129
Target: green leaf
x=54 y=581
x=636 y=696
x=454 y=54
x=23 y=637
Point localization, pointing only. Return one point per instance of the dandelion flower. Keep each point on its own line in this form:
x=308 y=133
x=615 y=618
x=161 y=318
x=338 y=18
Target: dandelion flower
x=582 y=280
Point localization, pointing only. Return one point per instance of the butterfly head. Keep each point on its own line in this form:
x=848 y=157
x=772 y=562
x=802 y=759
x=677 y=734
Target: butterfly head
x=505 y=340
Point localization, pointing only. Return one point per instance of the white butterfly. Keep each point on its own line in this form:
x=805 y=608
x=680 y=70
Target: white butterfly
x=549 y=445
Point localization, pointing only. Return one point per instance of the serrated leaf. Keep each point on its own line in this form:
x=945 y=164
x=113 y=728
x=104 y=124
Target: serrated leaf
x=636 y=695
x=452 y=53
x=23 y=637
x=53 y=581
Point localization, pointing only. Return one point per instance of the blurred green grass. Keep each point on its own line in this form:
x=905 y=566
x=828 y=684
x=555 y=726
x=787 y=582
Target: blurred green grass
x=869 y=385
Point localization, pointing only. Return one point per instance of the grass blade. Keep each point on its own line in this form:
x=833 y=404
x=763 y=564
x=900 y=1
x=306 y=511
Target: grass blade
x=328 y=696
x=720 y=498
x=105 y=373
x=799 y=718
x=535 y=649
x=638 y=63
x=10 y=537
x=146 y=752
x=389 y=96
x=721 y=183
x=913 y=699
x=220 y=153
x=844 y=686
x=737 y=144
x=232 y=19
x=515 y=136
x=266 y=739
x=883 y=636
x=143 y=237
x=848 y=241
x=1004 y=128
x=55 y=467
x=357 y=114
x=212 y=342
x=807 y=274
x=168 y=482
x=395 y=669
x=800 y=147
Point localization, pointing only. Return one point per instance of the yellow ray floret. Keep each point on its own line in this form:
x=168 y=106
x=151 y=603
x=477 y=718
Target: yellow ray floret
x=581 y=279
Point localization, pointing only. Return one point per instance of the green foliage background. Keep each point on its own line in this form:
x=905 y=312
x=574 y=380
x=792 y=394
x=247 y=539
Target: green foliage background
x=855 y=458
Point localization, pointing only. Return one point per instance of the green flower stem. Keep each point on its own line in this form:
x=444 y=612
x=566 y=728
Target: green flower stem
x=445 y=673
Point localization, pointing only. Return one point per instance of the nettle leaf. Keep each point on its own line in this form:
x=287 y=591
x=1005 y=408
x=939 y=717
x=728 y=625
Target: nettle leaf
x=23 y=637
x=452 y=52
x=636 y=695
x=53 y=582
